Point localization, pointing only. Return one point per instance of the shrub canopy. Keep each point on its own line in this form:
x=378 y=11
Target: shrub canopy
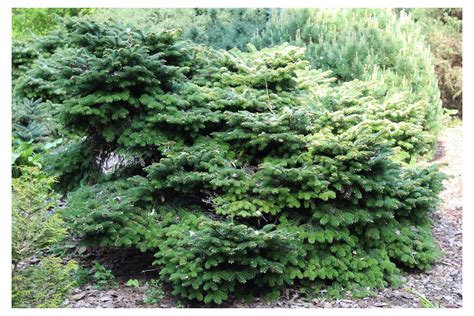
x=244 y=171
x=365 y=44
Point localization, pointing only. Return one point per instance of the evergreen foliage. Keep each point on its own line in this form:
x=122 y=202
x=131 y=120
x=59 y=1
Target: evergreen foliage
x=34 y=131
x=365 y=44
x=219 y=28
x=39 y=21
x=244 y=172
x=34 y=125
x=23 y=54
x=353 y=42
x=32 y=121
x=443 y=32
x=214 y=259
x=45 y=285
x=35 y=225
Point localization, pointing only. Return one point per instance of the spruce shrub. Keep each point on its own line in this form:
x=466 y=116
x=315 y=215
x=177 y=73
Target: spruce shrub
x=244 y=172
x=23 y=54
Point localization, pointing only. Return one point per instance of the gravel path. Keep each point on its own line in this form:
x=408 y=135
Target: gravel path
x=439 y=287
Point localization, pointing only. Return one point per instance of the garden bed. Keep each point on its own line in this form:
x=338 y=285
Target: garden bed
x=441 y=286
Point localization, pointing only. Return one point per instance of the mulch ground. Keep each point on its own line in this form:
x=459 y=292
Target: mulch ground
x=439 y=287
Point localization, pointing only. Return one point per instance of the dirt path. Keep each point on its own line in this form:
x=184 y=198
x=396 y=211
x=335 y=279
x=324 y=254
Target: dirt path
x=441 y=286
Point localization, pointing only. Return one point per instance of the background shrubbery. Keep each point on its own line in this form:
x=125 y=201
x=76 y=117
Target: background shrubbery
x=371 y=44
x=244 y=170
x=443 y=33
x=218 y=28
x=39 y=21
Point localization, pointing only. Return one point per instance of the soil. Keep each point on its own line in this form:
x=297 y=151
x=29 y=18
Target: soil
x=439 y=287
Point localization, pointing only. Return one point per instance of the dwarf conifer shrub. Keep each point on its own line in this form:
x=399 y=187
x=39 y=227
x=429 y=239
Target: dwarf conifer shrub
x=46 y=285
x=243 y=172
x=31 y=71
x=215 y=259
x=35 y=224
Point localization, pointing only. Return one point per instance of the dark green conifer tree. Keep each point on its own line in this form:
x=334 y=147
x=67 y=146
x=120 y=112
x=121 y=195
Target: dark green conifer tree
x=243 y=172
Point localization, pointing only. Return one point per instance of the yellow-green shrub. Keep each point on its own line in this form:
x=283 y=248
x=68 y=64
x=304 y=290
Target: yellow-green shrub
x=35 y=225
x=45 y=285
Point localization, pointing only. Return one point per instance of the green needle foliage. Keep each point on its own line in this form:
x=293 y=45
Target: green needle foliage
x=443 y=32
x=35 y=223
x=365 y=44
x=30 y=21
x=220 y=258
x=218 y=28
x=243 y=172
x=32 y=121
x=46 y=285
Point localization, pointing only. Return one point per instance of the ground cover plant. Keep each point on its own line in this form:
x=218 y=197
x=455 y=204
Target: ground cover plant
x=244 y=171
